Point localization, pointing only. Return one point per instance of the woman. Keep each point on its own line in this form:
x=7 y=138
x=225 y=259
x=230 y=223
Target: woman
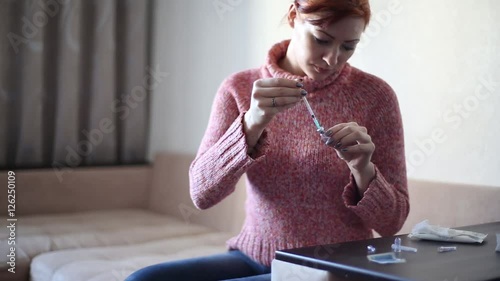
x=300 y=192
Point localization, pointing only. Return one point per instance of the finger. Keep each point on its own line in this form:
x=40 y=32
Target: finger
x=279 y=101
x=358 y=148
x=330 y=132
x=355 y=138
x=335 y=129
x=351 y=139
x=277 y=82
x=339 y=144
x=336 y=134
x=341 y=131
x=341 y=156
x=279 y=92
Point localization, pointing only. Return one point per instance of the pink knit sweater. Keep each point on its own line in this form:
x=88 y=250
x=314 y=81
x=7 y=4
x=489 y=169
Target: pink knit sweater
x=299 y=193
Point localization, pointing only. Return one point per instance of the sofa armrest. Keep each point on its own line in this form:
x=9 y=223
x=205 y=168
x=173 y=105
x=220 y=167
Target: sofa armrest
x=40 y=191
x=451 y=204
x=170 y=195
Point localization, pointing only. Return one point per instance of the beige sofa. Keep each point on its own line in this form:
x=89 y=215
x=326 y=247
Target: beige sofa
x=104 y=223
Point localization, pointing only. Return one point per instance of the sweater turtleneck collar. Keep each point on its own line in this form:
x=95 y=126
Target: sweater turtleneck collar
x=278 y=51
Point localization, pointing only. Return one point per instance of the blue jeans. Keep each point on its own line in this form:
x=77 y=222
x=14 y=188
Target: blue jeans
x=233 y=265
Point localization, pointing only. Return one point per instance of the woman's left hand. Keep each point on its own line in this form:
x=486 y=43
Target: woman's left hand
x=352 y=143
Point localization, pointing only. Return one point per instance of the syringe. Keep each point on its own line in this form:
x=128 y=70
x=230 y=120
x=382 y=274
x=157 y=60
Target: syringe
x=320 y=129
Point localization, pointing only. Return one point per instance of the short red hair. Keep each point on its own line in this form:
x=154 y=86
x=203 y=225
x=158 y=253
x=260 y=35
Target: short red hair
x=334 y=10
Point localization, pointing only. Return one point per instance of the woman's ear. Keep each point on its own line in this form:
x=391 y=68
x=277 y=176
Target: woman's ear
x=292 y=15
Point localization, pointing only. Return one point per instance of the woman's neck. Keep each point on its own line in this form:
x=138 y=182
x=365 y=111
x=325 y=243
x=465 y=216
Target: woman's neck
x=288 y=64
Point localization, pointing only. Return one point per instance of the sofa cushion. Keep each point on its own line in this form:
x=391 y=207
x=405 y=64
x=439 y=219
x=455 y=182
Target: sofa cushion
x=118 y=262
x=44 y=233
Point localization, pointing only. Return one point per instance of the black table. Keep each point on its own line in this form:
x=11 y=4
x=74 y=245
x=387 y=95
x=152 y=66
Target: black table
x=470 y=262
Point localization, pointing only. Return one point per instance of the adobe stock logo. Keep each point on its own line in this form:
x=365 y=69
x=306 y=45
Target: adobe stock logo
x=454 y=116
x=380 y=20
x=224 y=6
x=31 y=27
x=121 y=108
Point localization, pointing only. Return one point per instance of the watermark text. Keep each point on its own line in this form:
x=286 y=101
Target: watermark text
x=11 y=221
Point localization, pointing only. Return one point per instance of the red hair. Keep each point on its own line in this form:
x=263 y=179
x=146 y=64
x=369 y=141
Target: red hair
x=332 y=11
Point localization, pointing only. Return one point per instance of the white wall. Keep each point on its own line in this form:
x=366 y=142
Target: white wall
x=441 y=57
x=198 y=45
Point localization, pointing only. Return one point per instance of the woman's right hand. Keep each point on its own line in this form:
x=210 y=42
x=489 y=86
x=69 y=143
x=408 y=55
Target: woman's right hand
x=270 y=96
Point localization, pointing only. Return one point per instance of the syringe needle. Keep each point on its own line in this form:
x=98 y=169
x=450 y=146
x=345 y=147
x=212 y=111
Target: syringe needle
x=321 y=130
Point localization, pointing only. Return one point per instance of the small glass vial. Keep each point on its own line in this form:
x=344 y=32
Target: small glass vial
x=397 y=245
x=371 y=249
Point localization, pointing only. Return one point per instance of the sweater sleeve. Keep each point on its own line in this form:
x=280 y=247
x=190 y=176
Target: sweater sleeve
x=222 y=156
x=385 y=204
